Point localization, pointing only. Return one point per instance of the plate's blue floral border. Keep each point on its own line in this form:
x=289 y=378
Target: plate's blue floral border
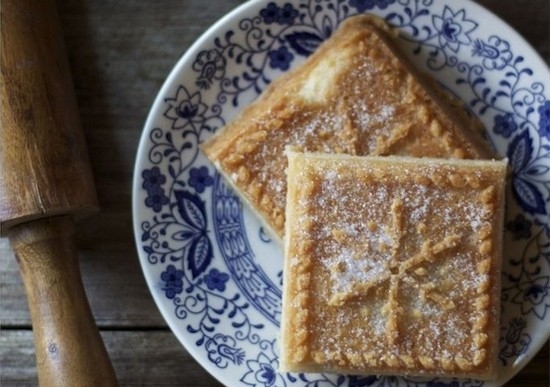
x=214 y=298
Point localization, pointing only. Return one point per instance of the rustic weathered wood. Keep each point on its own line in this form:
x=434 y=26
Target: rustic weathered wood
x=113 y=280
x=46 y=179
x=155 y=358
x=69 y=350
x=44 y=165
x=120 y=52
x=152 y=358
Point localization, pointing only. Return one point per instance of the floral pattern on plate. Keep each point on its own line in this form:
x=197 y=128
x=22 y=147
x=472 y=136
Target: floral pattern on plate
x=213 y=270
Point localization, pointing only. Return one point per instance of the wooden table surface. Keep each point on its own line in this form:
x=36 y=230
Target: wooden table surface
x=120 y=53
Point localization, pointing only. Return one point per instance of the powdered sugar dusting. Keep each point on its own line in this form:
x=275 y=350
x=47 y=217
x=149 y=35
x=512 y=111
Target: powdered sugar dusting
x=404 y=253
x=367 y=117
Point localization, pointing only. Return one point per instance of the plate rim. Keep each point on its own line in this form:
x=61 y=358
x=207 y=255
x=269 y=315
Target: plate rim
x=205 y=36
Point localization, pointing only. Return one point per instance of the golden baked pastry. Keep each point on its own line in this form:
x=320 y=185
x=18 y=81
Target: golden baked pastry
x=357 y=95
x=392 y=265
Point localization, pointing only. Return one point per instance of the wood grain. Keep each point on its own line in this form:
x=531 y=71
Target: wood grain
x=120 y=52
x=155 y=358
x=145 y=358
x=68 y=346
x=46 y=181
x=41 y=137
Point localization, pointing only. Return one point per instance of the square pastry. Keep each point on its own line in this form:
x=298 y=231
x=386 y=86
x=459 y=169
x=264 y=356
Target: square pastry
x=357 y=94
x=392 y=265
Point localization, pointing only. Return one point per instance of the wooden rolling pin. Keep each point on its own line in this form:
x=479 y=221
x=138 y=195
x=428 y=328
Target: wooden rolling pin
x=46 y=181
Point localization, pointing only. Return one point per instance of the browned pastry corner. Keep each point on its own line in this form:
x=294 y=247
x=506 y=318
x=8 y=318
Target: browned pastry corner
x=356 y=95
x=392 y=265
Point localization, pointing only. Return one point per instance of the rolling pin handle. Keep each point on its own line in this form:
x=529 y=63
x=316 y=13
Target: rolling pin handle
x=69 y=349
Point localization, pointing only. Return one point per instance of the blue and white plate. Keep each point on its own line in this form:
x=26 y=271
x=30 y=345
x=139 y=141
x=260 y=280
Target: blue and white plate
x=213 y=271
